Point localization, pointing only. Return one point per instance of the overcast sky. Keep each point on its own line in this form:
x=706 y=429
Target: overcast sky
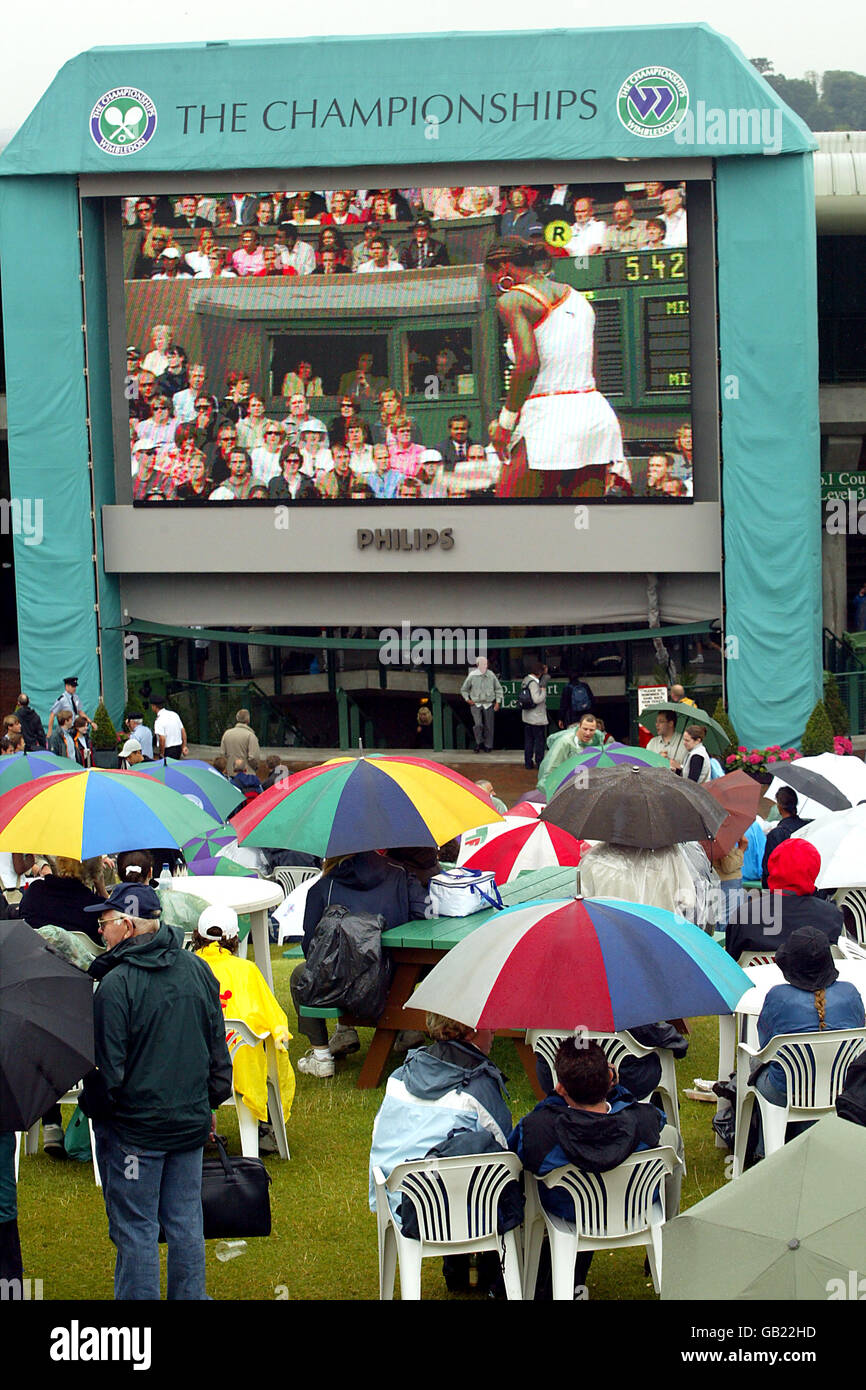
x=39 y=38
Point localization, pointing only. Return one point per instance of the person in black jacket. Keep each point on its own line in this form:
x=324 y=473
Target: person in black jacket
x=763 y=921
x=62 y=899
x=162 y=1066
x=31 y=724
x=789 y=821
x=364 y=882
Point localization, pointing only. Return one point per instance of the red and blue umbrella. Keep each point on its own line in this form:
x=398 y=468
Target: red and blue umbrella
x=596 y=963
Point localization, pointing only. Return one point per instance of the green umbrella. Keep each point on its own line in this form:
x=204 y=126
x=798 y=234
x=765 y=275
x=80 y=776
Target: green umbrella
x=786 y=1229
x=715 y=738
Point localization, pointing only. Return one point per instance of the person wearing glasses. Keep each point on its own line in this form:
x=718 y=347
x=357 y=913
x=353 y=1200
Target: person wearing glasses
x=161 y=427
x=266 y=458
x=162 y=1066
x=291 y=484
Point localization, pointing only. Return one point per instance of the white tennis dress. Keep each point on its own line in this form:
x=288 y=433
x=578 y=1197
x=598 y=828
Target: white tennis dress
x=566 y=422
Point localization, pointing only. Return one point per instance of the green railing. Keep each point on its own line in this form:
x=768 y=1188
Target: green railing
x=852 y=689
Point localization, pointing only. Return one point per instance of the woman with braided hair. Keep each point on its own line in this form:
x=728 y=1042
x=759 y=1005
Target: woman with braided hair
x=556 y=432
x=813 y=999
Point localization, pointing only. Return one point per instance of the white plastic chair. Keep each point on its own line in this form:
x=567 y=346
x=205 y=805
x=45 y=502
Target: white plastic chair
x=456 y=1202
x=289 y=876
x=855 y=901
x=748 y=958
x=239 y=1034
x=815 y=1066
x=615 y=1047
x=31 y=1138
x=623 y=1207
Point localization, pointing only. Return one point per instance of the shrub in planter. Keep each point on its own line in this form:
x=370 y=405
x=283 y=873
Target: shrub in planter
x=818 y=737
x=720 y=715
x=104 y=738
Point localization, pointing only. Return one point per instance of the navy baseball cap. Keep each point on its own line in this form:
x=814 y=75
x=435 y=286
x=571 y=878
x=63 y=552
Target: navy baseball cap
x=130 y=900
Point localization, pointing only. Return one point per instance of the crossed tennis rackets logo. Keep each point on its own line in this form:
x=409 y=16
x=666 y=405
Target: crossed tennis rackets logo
x=123 y=121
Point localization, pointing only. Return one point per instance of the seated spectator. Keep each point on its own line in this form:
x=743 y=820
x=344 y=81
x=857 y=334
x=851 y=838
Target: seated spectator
x=135 y=866
x=479 y=474
x=331 y=264
x=788 y=823
x=446 y=1100
x=59 y=899
x=812 y=999
x=363 y=882
x=218 y=266
x=170 y=265
x=587 y=230
x=658 y=473
x=186 y=402
x=851 y=1103
x=291 y=483
x=361 y=251
x=329 y=239
x=156 y=360
x=390 y=411
x=340 y=213
x=361 y=384
x=294 y=253
x=386 y=205
x=385 y=481
x=764 y=920
x=594 y=1123
x=234 y=405
x=453 y=204
x=152 y=245
x=246 y=782
x=239 y=484
x=674 y=217
x=695 y=766
x=626 y=234
x=379 y=258
x=314 y=447
x=337 y=483
x=197 y=260
x=300 y=214
x=339 y=424
x=302 y=382
x=423 y=250
x=519 y=219
x=141 y=388
x=265 y=212
x=251 y=427
x=248 y=259
x=655 y=233
x=175 y=378
x=245 y=995
x=455 y=449
x=130 y=754
x=218 y=461
x=267 y=457
x=160 y=429
x=273 y=265
x=360 y=449
x=406 y=457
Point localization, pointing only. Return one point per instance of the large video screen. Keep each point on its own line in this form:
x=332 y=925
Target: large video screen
x=361 y=345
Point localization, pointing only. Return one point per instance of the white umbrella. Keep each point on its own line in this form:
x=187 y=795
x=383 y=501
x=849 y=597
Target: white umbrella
x=840 y=839
x=844 y=771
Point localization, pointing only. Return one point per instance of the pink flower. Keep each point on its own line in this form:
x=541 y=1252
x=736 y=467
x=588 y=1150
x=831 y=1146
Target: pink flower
x=731 y=758
x=742 y=749
x=754 y=758
x=771 y=758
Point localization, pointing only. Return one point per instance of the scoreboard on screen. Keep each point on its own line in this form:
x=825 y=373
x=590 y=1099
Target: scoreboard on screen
x=641 y=303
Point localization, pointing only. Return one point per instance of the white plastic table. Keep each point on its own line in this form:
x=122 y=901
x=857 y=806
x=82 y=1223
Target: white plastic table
x=253 y=895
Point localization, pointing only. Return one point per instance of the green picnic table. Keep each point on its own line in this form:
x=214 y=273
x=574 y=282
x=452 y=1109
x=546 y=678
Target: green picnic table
x=417 y=946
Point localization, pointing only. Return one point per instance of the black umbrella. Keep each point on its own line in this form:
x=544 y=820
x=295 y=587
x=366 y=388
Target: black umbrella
x=46 y=1026
x=644 y=807
x=813 y=785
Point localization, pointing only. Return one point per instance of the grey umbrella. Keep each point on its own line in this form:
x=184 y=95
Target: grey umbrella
x=644 y=807
x=46 y=1026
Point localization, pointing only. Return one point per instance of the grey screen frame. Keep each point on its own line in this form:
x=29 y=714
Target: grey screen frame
x=698 y=173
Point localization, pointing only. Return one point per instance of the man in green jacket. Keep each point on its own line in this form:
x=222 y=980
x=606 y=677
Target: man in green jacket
x=162 y=1066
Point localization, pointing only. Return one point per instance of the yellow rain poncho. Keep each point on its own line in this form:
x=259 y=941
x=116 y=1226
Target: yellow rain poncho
x=246 y=996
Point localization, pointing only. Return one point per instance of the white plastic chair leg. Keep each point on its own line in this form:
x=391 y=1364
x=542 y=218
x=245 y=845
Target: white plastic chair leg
x=409 y=1254
x=17 y=1152
x=387 y=1262
x=511 y=1267
x=774 y=1122
x=563 y=1257
x=741 y=1132
x=654 y=1253
x=533 y=1240
x=31 y=1141
x=249 y=1129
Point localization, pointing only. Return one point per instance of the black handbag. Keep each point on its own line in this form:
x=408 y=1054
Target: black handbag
x=235 y=1199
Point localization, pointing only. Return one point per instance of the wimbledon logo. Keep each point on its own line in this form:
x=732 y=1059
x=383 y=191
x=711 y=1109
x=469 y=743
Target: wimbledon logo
x=123 y=121
x=652 y=102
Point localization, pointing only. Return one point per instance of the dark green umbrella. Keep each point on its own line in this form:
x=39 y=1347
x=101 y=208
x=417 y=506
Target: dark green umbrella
x=715 y=738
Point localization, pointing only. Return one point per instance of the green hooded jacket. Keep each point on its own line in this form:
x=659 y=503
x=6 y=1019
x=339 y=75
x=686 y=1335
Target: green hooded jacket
x=161 y=1055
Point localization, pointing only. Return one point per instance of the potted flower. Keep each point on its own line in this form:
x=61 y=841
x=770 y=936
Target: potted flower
x=103 y=738
x=759 y=762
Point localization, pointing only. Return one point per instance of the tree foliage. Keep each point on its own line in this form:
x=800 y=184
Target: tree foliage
x=834 y=100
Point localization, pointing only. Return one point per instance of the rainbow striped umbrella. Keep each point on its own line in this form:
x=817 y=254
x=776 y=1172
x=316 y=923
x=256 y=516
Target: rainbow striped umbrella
x=596 y=963
x=518 y=843
x=612 y=755
x=80 y=814
x=353 y=804
x=201 y=783
x=26 y=767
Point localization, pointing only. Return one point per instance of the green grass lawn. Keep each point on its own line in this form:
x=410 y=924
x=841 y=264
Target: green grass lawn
x=323 y=1242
